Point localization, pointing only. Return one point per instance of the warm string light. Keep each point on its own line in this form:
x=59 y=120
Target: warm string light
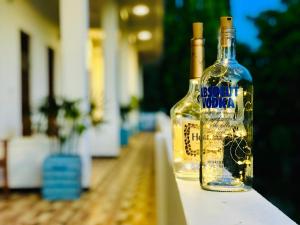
x=216 y=130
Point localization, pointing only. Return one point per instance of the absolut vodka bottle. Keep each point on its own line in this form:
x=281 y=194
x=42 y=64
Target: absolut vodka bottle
x=226 y=119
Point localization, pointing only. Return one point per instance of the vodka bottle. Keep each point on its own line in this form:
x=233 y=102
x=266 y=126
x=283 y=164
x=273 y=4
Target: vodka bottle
x=226 y=119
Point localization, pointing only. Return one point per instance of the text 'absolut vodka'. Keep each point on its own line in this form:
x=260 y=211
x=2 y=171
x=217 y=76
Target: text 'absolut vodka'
x=218 y=96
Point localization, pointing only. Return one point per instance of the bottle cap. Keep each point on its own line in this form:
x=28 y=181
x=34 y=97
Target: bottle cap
x=197 y=30
x=226 y=30
x=226 y=22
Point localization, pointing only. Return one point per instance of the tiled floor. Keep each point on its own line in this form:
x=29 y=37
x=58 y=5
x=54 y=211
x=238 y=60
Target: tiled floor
x=122 y=193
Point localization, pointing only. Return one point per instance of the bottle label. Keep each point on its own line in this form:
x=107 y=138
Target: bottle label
x=225 y=135
x=191 y=137
x=219 y=96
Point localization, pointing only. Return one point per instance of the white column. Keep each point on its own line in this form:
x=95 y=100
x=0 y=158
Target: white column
x=124 y=64
x=107 y=141
x=109 y=21
x=74 y=26
x=133 y=72
x=129 y=78
x=129 y=83
x=134 y=86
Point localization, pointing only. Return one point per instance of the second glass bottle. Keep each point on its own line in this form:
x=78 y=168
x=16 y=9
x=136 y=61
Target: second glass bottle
x=185 y=115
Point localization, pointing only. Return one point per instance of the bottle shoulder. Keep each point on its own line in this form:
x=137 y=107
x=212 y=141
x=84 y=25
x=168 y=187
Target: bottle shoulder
x=227 y=72
x=241 y=71
x=187 y=107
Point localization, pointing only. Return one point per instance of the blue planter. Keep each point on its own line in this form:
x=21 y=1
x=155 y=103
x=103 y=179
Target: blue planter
x=62 y=177
x=147 y=121
x=124 y=133
x=134 y=130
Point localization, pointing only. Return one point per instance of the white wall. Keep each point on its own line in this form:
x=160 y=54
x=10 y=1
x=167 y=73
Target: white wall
x=15 y=16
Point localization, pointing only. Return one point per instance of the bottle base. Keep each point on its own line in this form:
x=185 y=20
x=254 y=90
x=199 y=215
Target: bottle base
x=187 y=176
x=186 y=170
x=221 y=187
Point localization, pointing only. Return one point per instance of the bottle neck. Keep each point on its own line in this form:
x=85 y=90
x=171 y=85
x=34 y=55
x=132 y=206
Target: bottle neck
x=197 y=58
x=227 y=45
x=219 y=50
x=194 y=85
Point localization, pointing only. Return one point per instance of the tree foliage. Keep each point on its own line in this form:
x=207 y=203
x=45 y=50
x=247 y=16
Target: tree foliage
x=167 y=82
x=275 y=69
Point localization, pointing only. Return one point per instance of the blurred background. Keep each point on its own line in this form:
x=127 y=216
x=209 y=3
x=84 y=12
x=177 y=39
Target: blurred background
x=92 y=74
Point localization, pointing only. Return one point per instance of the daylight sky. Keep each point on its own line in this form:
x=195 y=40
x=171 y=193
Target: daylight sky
x=245 y=29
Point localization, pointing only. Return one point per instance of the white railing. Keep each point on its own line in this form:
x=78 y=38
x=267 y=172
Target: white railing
x=183 y=202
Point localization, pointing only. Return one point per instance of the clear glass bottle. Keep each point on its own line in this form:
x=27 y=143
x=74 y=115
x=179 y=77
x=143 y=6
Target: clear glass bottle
x=226 y=119
x=185 y=116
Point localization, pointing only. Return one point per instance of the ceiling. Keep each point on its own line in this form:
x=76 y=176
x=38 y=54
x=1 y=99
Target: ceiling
x=150 y=50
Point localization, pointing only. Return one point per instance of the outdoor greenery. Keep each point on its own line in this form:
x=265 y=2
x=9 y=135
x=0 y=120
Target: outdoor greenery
x=274 y=67
x=166 y=82
x=94 y=118
x=126 y=109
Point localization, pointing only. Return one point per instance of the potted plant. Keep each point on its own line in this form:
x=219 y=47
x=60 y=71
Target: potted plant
x=128 y=127
x=62 y=170
x=94 y=115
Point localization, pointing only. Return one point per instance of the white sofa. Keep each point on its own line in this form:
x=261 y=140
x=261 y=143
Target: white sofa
x=26 y=156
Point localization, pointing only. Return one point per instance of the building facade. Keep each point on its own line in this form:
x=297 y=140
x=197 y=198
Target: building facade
x=78 y=49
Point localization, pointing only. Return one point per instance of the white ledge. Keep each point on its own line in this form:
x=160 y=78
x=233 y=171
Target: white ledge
x=227 y=208
x=184 y=202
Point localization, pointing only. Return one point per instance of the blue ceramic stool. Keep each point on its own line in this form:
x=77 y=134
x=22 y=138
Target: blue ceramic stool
x=62 y=177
